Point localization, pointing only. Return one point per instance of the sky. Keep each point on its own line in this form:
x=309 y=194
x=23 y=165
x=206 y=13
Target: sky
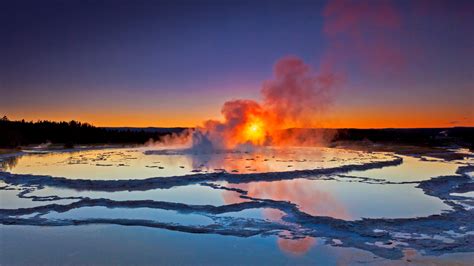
x=174 y=63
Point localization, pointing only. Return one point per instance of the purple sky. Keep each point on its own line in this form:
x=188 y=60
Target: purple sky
x=174 y=63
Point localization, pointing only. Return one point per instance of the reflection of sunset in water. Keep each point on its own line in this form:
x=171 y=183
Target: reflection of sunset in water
x=139 y=163
x=275 y=159
x=296 y=247
x=301 y=192
x=269 y=159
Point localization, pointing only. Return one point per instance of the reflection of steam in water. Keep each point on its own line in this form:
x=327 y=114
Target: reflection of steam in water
x=231 y=162
x=8 y=163
x=311 y=157
x=261 y=159
x=296 y=247
x=268 y=159
x=293 y=99
x=142 y=163
x=308 y=198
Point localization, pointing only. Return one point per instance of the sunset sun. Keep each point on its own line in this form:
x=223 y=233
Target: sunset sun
x=255 y=132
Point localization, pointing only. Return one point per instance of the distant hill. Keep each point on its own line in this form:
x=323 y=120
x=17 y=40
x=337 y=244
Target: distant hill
x=462 y=136
x=148 y=129
x=21 y=133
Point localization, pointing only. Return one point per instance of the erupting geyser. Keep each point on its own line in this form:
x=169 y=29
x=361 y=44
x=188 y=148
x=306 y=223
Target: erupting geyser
x=292 y=99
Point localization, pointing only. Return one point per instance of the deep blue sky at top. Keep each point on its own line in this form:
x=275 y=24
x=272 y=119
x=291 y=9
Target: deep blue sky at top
x=150 y=45
x=99 y=60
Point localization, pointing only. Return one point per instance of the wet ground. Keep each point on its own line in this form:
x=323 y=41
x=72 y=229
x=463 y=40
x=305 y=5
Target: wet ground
x=278 y=206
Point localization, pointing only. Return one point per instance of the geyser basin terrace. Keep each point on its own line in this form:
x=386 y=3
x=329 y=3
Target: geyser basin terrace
x=301 y=199
x=142 y=163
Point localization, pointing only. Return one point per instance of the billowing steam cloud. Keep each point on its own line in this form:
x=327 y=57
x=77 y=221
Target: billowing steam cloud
x=296 y=93
x=291 y=100
x=364 y=33
x=359 y=33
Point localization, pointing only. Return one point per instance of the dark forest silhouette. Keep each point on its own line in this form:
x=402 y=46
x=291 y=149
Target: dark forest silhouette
x=20 y=133
x=458 y=136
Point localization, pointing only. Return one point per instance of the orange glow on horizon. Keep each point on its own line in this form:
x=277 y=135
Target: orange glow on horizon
x=350 y=117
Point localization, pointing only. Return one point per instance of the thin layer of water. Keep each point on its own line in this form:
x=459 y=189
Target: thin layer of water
x=140 y=246
x=163 y=216
x=345 y=200
x=190 y=194
x=412 y=169
x=144 y=163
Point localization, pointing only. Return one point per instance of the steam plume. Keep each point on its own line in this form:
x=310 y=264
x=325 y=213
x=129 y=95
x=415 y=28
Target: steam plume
x=292 y=99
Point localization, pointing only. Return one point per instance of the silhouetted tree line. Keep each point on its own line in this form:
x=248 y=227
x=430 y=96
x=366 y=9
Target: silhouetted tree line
x=21 y=133
x=462 y=136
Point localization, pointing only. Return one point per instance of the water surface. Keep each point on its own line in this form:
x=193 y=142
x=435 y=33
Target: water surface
x=140 y=163
x=291 y=219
